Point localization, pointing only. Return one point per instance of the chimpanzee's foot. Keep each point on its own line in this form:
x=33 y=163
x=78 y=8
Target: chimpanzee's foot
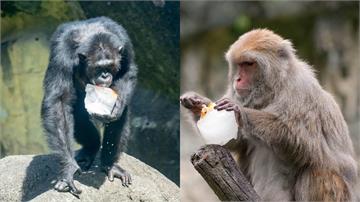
x=66 y=183
x=85 y=158
x=118 y=172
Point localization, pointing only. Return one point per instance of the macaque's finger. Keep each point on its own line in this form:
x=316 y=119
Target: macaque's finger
x=225 y=106
x=231 y=108
x=187 y=103
x=183 y=102
x=182 y=99
x=192 y=103
x=198 y=102
x=221 y=102
x=238 y=116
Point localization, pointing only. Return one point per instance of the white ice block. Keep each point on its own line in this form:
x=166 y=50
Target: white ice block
x=99 y=100
x=218 y=127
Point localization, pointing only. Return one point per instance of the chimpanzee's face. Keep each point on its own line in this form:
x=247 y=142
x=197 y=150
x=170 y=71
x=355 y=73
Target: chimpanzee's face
x=102 y=76
x=102 y=65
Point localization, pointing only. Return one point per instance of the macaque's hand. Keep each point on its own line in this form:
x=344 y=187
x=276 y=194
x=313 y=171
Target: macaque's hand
x=229 y=105
x=193 y=102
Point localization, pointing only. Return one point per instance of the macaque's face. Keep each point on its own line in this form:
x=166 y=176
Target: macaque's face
x=244 y=75
x=246 y=56
x=258 y=62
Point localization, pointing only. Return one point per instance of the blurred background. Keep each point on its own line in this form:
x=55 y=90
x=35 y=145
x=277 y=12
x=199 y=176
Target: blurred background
x=153 y=27
x=325 y=34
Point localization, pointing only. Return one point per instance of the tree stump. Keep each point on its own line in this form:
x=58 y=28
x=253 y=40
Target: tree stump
x=218 y=168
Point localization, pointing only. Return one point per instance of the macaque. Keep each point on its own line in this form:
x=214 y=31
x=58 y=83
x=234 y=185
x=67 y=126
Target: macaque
x=293 y=142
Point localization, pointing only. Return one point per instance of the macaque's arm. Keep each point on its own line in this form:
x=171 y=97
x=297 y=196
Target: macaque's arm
x=287 y=138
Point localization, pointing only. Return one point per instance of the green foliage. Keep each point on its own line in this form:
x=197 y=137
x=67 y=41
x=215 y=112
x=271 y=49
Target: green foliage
x=242 y=23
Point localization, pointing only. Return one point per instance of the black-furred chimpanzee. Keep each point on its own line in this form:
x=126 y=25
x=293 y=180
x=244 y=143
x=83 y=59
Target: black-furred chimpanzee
x=97 y=51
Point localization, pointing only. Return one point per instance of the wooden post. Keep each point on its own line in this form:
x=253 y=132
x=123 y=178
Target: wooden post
x=218 y=168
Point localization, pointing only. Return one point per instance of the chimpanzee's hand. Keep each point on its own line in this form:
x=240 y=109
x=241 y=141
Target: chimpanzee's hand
x=118 y=109
x=104 y=118
x=115 y=113
x=229 y=105
x=193 y=102
x=118 y=172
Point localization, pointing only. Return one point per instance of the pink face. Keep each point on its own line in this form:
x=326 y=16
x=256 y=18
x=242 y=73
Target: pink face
x=243 y=79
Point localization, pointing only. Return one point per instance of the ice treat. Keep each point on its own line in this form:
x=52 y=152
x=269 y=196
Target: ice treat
x=206 y=109
x=99 y=100
x=217 y=127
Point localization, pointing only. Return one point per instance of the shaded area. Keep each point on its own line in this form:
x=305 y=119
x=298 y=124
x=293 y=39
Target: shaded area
x=41 y=175
x=38 y=171
x=156 y=132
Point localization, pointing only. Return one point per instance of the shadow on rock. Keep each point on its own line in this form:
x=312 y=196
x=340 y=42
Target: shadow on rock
x=43 y=170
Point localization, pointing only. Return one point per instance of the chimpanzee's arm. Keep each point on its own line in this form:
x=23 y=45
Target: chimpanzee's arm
x=57 y=118
x=124 y=87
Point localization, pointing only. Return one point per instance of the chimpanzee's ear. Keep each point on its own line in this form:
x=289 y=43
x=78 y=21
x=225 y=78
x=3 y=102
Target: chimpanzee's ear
x=82 y=57
x=121 y=50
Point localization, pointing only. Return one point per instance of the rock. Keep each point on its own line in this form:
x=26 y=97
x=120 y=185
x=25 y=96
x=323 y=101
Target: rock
x=28 y=177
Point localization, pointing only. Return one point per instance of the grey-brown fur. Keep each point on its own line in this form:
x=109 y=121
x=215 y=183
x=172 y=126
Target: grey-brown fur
x=295 y=143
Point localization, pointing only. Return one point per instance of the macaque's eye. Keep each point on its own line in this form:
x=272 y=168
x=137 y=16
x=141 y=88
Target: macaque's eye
x=246 y=63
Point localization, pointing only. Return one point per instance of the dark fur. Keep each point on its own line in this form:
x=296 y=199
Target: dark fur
x=63 y=112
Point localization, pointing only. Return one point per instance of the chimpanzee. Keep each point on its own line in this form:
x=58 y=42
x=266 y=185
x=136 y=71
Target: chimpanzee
x=96 y=51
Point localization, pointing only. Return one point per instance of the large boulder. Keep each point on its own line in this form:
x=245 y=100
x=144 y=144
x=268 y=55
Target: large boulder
x=28 y=177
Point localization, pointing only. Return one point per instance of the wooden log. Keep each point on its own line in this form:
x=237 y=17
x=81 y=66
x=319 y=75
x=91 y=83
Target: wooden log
x=218 y=168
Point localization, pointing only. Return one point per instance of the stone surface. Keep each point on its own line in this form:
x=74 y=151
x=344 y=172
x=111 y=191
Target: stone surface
x=28 y=177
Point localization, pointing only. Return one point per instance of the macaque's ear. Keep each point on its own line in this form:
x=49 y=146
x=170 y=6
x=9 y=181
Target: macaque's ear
x=286 y=49
x=82 y=57
x=227 y=56
x=121 y=50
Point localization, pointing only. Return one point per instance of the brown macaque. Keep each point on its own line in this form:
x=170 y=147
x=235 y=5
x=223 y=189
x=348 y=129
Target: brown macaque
x=293 y=142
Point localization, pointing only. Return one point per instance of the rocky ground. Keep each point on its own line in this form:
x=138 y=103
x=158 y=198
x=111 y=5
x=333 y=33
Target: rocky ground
x=28 y=177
